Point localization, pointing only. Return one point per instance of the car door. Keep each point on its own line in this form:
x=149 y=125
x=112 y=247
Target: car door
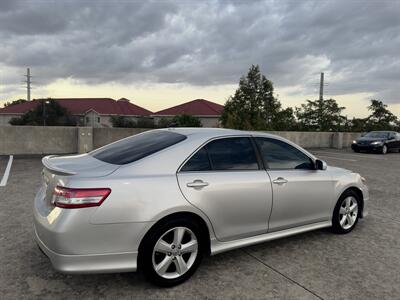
x=225 y=180
x=301 y=194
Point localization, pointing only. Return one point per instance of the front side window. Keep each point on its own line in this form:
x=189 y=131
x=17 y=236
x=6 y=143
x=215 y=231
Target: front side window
x=280 y=155
x=224 y=154
x=136 y=147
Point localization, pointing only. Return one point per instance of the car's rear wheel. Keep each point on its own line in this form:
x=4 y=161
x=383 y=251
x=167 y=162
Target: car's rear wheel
x=346 y=212
x=172 y=252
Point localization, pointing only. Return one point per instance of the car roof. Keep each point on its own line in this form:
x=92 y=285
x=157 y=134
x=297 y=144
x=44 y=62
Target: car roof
x=216 y=132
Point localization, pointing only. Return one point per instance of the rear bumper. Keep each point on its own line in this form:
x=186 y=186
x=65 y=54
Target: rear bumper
x=90 y=263
x=75 y=245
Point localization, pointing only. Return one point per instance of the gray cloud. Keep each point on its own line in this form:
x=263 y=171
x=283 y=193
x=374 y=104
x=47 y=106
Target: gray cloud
x=208 y=43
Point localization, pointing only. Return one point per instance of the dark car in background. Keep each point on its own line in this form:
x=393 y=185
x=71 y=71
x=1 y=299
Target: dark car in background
x=378 y=141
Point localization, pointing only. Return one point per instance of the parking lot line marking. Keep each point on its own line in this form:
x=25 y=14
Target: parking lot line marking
x=3 y=181
x=338 y=158
x=283 y=275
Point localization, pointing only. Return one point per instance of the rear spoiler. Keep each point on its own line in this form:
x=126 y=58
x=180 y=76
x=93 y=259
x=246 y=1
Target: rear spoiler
x=57 y=170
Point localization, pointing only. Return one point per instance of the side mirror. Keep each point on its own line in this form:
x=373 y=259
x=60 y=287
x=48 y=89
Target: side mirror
x=391 y=138
x=321 y=165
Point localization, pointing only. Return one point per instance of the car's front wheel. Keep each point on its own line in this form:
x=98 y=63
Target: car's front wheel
x=346 y=212
x=172 y=252
x=384 y=149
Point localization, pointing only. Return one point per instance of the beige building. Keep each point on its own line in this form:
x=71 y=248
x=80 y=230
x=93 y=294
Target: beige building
x=93 y=112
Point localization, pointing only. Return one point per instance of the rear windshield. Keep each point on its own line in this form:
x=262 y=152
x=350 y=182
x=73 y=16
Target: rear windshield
x=136 y=147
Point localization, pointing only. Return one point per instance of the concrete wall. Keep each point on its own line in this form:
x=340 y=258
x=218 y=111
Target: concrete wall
x=38 y=140
x=62 y=140
x=104 y=136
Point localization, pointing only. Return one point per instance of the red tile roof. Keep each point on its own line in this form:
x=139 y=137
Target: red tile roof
x=78 y=106
x=198 y=107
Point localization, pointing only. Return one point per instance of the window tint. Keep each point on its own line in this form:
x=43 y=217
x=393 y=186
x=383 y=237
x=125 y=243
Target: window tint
x=136 y=147
x=377 y=134
x=280 y=155
x=198 y=162
x=232 y=154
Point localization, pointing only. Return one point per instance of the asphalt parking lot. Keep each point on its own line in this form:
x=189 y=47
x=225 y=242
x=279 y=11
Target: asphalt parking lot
x=364 y=264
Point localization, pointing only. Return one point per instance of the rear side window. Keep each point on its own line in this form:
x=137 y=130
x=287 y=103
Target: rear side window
x=198 y=162
x=281 y=155
x=136 y=147
x=224 y=154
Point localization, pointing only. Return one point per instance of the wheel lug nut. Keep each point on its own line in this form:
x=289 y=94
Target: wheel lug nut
x=173 y=246
x=179 y=247
x=169 y=253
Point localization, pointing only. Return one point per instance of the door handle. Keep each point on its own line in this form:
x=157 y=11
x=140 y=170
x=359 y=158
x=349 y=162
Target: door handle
x=197 y=184
x=280 y=180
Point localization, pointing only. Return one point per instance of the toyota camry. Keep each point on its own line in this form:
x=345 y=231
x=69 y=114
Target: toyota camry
x=161 y=200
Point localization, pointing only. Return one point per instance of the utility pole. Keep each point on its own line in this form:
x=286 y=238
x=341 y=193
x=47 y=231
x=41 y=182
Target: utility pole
x=28 y=84
x=321 y=87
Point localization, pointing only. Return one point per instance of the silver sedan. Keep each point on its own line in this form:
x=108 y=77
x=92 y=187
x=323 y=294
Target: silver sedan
x=160 y=200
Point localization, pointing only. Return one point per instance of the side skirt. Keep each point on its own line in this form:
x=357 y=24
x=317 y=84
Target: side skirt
x=219 y=247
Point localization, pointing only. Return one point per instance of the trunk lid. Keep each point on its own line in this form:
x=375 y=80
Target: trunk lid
x=83 y=165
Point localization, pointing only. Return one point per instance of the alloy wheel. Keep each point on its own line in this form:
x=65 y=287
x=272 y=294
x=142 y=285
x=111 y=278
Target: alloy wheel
x=384 y=149
x=175 y=252
x=348 y=212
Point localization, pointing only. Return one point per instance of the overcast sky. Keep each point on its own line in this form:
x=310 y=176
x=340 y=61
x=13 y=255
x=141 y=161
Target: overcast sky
x=160 y=53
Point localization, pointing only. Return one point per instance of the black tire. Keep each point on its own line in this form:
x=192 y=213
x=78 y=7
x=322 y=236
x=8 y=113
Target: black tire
x=356 y=150
x=336 y=217
x=145 y=257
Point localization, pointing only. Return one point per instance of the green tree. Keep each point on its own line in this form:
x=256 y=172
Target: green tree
x=19 y=101
x=358 y=125
x=48 y=112
x=122 y=121
x=380 y=118
x=145 y=123
x=285 y=120
x=164 y=122
x=253 y=106
x=321 y=115
x=126 y=122
x=186 y=121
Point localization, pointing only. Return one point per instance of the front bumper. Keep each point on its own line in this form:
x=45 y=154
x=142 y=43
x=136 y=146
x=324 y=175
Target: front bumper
x=369 y=148
x=365 y=193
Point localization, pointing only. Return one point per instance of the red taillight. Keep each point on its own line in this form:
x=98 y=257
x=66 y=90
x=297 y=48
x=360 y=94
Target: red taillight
x=78 y=198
